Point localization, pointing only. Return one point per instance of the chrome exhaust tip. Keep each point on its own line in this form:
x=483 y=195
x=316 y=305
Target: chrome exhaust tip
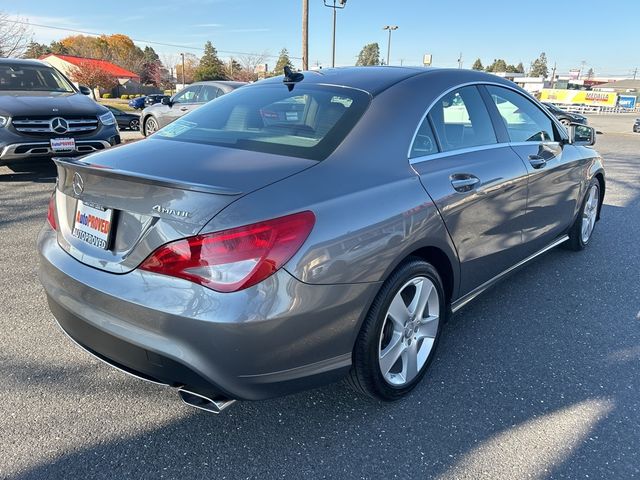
x=204 y=403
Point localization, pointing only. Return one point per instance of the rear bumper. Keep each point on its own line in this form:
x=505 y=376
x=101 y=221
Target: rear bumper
x=278 y=337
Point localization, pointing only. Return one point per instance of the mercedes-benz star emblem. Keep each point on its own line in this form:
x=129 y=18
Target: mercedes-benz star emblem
x=78 y=184
x=59 y=125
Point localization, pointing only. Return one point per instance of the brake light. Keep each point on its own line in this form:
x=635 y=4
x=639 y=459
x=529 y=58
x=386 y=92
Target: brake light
x=234 y=259
x=51 y=212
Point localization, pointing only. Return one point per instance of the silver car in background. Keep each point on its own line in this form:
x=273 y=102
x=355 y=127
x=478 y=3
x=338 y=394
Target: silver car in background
x=310 y=228
x=169 y=109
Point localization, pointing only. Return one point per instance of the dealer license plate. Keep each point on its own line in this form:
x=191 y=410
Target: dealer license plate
x=63 y=144
x=92 y=224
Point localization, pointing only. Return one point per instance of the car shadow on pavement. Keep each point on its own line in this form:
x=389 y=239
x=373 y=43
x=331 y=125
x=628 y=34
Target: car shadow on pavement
x=539 y=377
x=41 y=173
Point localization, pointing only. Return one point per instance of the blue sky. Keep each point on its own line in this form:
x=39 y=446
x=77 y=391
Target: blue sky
x=515 y=31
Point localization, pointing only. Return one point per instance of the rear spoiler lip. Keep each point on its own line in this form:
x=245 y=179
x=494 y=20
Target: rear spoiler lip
x=105 y=171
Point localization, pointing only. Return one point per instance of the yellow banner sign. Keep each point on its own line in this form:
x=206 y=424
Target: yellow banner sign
x=582 y=97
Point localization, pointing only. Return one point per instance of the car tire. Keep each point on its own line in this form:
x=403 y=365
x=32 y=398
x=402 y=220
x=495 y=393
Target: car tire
x=582 y=229
x=134 y=124
x=396 y=335
x=150 y=126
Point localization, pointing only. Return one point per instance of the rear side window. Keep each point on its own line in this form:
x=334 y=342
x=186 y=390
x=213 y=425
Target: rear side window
x=461 y=120
x=524 y=120
x=208 y=93
x=425 y=141
x=309 y=121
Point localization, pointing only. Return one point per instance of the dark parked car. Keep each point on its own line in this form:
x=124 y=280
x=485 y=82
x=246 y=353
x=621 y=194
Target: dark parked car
x=126 y=121
x=566 y=118
x=154 y=98
x=306 y=229
x=42 y=114
x=137 y=103
x=636 y=125
x=185 y=101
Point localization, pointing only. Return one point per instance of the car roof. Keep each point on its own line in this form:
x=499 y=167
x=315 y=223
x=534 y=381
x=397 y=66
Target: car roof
x=376 y=79
x=23 y=61
x=224 y=84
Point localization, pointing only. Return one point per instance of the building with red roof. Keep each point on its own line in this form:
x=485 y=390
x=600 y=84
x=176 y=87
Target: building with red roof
x=128 y=82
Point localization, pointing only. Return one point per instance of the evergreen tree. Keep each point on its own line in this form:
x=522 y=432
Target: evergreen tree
x=36 y=50
x=539 y=66
x=477 y=65
x=520 y=68
x=283 y=60
x=498 y=65
x=590 y=73
x=210 y=66
x=369 y=55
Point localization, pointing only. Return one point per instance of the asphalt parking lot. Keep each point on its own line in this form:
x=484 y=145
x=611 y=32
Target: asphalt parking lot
x=539 y=378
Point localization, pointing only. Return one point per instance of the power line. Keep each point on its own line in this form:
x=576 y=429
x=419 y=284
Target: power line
x=184 y=47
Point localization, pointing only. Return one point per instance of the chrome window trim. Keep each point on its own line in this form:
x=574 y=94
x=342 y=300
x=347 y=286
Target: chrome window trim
x=477 y=83
x=460 y=151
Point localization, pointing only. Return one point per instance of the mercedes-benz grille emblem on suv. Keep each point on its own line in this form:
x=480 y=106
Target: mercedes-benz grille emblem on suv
x=59 y=125
x=78 y=184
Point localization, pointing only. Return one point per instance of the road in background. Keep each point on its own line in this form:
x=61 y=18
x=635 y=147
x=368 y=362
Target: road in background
x=539 y=377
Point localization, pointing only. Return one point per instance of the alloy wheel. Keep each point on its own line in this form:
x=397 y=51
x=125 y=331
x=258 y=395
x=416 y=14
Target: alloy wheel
x=589 y=213
x=409 y=331
x=150 y=126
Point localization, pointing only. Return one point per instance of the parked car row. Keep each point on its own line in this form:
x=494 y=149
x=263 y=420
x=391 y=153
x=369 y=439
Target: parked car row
x=141 y=102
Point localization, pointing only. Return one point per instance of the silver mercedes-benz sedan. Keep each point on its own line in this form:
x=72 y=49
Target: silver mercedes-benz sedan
x=311 y=227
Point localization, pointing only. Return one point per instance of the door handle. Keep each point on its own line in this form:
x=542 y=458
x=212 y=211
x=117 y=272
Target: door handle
x=537 y=161
x=464 y=183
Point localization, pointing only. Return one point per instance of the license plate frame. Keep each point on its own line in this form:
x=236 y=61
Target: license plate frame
x=60 y=145
x=93 y=224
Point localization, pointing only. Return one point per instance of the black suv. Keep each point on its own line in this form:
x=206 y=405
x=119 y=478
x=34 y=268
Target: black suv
x=42 y=114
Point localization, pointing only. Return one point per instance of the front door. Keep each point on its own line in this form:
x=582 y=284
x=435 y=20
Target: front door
x=553 y=179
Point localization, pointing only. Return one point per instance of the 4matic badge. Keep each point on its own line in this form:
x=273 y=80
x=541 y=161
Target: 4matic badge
x=171 y=211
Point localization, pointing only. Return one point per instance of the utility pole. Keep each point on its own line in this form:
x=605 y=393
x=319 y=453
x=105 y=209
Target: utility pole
x=305 y=34
x=390 y=28
x=460 y=60
x=183 y=82
x=553 y=76
x=336 y=5
x=635 y=72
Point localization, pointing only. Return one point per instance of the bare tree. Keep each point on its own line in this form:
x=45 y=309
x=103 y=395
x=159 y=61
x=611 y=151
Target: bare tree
x=249 y=64
x=15 y=36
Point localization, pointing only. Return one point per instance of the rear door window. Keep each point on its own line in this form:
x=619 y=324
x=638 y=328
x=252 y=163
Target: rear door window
x=525 y=121
x=207 y=93
x=461 y=120
x=425 y=141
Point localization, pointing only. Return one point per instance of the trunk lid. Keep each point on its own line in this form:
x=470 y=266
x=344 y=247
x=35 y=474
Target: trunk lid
x=159 y=191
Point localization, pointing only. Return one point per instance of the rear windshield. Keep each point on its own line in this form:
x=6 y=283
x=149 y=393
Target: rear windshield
x=308 y=121
x=32 y=77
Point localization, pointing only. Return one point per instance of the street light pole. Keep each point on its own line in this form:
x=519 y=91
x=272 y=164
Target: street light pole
x=390 y=28
x=335 y=5
x=182 y=55
x=305 y=35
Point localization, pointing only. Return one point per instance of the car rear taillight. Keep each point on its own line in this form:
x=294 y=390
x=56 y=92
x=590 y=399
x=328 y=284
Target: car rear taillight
x=233 y=259
x=51 y=212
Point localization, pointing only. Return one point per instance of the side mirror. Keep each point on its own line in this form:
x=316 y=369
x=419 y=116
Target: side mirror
x=84 y=90
x=582 y=135
x=166 y=101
